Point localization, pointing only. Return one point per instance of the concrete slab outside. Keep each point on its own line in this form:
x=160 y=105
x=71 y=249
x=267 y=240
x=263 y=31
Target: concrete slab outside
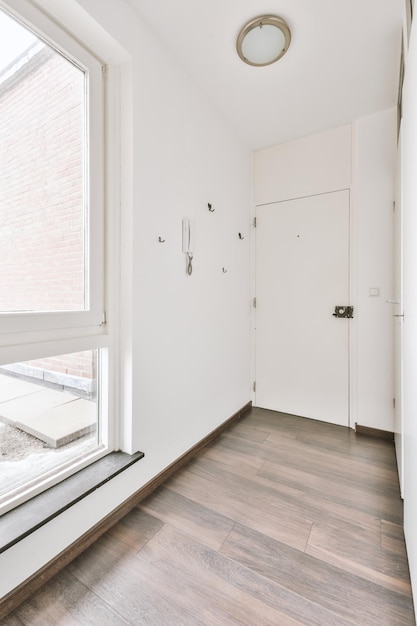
x=63 y=423
x=55 y=417
x=13 y=388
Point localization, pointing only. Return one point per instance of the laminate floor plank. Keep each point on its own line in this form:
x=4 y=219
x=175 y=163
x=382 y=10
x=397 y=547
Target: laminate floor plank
x=322 y=507
x=224 y=591
x=281 y=521
x=202 y=581
x=242 y=486
x=337 y=544
x=127 y=583
x=316 y=459
x=246 y=466
x=245 y=431
x=281 y=470
x=136 y=529
x=11 y=620
x=275 y=422
x=286 y=505
x=392 y=539
x=331 y=587
x=66 y=601
x=180 y=512
x=301 y=457
x=246 y=506
x=351 y=445
x=357 y=496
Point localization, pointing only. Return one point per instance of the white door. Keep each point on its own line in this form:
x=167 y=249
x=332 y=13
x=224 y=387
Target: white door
x=302 y=274
x=398 y=318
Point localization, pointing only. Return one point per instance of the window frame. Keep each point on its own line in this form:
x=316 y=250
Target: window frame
x=26 y=327
x=26 y=336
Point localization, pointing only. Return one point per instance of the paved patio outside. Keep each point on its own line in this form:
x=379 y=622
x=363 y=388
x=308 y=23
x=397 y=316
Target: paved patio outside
x=55 y=417
x=40 y=429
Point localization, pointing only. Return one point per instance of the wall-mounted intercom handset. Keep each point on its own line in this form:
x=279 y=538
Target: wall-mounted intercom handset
x=188 y=240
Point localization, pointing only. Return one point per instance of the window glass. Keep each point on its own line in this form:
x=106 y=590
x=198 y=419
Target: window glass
x=48 y=416
x=43 y=221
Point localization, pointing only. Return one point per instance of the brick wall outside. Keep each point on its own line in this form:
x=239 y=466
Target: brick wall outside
x=79 y=364
x=41 y=191
x=41 y=194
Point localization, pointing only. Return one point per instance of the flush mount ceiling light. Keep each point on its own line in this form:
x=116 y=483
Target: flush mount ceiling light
x=263 y=40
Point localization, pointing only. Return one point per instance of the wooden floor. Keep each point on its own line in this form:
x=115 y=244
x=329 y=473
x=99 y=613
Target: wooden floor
x=281 y=521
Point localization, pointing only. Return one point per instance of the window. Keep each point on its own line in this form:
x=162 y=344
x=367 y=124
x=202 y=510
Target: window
x=49 y=410
x=53 y=335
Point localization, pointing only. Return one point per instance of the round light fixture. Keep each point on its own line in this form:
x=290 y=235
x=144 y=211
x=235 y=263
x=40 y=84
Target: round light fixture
x=263 y=40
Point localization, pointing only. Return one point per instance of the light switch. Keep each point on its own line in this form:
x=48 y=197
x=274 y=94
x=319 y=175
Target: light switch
x=373 y=291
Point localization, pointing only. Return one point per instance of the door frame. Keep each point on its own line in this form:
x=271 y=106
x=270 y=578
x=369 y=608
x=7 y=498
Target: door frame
x=399 y=310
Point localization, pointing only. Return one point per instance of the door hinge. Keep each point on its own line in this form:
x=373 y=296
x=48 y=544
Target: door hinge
x=393 y=206
x=254 y=303
x=393 y=402
x=103 y=319
x=254 y=386
x=254 y=222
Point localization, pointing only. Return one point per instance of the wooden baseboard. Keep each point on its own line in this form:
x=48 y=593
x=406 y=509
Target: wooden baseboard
x=374 y=432
x=13 y=599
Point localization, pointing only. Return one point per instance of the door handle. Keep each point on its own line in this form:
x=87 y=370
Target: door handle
x=343 y=311
x=392 y=301
x=402 y=315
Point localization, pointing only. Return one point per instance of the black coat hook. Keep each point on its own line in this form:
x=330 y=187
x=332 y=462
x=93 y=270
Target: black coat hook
x=224 y=270
x=240 y=236
x=210 y=207
x=161 y=240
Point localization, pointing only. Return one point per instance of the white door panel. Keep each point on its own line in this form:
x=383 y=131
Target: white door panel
x=302 y=273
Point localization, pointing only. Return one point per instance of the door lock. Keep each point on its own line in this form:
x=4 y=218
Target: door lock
x=343 y=311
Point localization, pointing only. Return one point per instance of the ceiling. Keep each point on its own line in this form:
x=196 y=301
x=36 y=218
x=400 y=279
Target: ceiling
x=343 y=61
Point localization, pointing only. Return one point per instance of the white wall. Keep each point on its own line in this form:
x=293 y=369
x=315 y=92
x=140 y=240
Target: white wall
x=186 y=339
x=374 y=155
x=409 y=134
x=359 y=157
x=315 y=164
x=193 y=330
